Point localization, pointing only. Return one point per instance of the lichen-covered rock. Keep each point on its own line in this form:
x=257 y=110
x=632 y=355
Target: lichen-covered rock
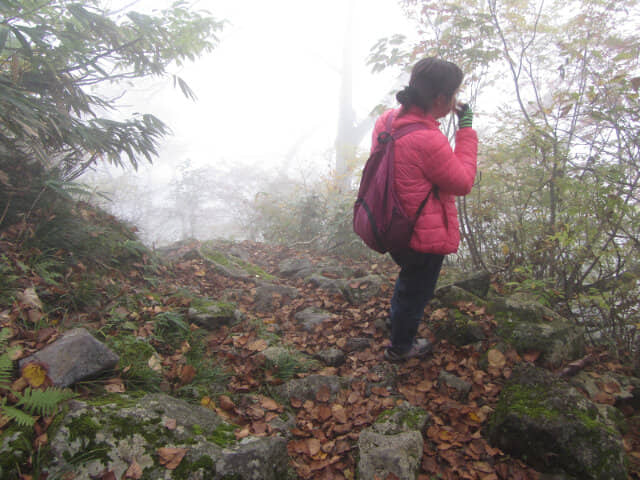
x=552 y=427
x=75 y=356
x=361 y=290
x=307 y=388
x=268 y=294
x=295 y=267
x=460 y=386
x=477 y=282
x=393 y=444
x=457 y=328
x=213 y=315
x=530 y=326
x=255 y=459
x=311 y=317
x=92 y=439
x=331 y=285
x=333 y=357
x=451 y=295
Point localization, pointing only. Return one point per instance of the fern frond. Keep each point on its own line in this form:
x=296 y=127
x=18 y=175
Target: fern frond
x=6 y=368
x=42 y=402
x=21 y=418
x=4 y=336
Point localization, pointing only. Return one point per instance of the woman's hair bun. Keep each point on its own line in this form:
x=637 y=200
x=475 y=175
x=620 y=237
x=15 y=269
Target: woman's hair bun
x=407 y=96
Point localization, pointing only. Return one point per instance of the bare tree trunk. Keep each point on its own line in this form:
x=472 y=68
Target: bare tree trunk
x=345 y=147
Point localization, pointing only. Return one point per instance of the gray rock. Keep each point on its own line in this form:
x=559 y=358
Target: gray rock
x=331 y=285
x=332 y=357
x=477 y=283
x=403 y=418
x=215 y=315
x=275 y=353
x=310 y=317
x=457 y=328
x=357 y=344
x=117 y=434
x=267 y=293
x=381 y=455
x=554 y=428
x=241 y=253
x=530 y=326
x=450 y=295
x=295 y=267
x=307 y=388
x=361 y=290
x=255 y=459
x=76 y=356
x=462 y=387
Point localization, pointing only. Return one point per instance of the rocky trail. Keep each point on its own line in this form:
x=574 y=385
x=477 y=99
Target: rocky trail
x=268 y=365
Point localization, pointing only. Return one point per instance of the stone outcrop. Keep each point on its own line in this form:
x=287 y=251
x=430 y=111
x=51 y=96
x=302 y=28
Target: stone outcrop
x=554 y=428
x=393 y=444
x=112 y=437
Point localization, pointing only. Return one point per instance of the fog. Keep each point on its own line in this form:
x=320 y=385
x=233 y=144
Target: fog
x=267 y=103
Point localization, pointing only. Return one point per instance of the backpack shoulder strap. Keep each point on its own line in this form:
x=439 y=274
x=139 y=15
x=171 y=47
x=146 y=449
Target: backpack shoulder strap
x=407 y=129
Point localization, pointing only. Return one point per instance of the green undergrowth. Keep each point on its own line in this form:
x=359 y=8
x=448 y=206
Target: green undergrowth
x=211 y=251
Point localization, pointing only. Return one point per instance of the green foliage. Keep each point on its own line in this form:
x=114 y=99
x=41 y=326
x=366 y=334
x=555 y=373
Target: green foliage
x=171 y=329
x=51 y=53
x=317 y=215
x=42 y=402
x=8 y=277
x=559 y=187
x=286 y=365
x=134 y=362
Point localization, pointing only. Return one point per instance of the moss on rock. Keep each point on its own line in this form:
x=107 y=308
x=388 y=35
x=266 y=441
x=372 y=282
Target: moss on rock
x=551 y=426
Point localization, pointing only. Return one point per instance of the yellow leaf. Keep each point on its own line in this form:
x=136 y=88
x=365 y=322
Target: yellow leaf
x=473 y=416
x=34 y=374
x=155 y=363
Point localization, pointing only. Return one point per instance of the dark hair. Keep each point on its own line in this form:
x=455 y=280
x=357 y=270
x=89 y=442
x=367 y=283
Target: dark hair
x=430 y=77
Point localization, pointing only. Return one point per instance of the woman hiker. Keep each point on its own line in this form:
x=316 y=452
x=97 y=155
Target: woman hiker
x=425 y=162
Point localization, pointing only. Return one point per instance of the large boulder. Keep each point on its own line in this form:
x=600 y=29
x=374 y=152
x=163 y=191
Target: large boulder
x=75 y=356
x=393 y=444
x=554 y=428
x=91 y=440
x=529 y=326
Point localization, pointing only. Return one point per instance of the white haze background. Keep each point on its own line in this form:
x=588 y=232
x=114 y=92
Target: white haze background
x=270 y=90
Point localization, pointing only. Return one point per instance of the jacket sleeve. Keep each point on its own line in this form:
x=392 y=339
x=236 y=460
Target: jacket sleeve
x=453 y=171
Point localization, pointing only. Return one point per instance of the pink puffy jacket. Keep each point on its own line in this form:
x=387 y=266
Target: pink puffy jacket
x=423 y=159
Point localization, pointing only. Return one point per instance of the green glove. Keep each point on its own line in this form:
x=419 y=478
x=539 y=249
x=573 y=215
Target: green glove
x=465 y=115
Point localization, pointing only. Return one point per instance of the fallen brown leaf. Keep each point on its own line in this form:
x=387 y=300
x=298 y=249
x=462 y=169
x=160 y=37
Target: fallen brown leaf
x=170 y=457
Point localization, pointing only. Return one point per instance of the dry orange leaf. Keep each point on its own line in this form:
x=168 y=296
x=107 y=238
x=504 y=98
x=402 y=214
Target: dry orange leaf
x=269 y=404
x=531 y=356
x=258 y=345
x=313 y=446
x=170 y=457
x=339 y=413
x=226 y=403
x=496 y=358
x=324 y=394
x=134 y=471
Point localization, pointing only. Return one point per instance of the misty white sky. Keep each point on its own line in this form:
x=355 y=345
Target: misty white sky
x=272 y=81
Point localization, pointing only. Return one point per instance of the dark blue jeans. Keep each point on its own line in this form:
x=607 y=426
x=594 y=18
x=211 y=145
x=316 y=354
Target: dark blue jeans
x=414 y=288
